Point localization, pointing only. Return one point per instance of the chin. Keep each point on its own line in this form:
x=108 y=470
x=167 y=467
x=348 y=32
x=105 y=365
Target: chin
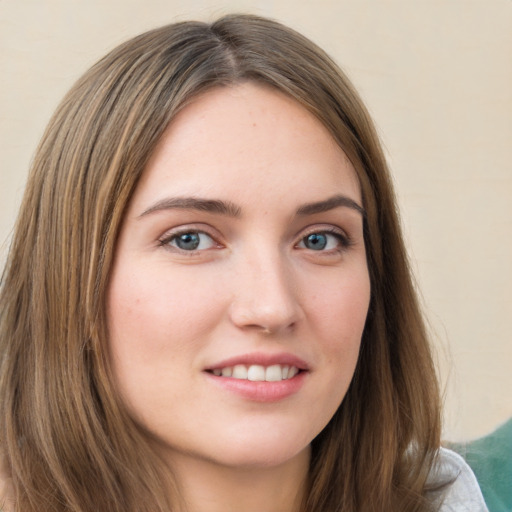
x=263 y=451
x=252 y=450
x=259 y=458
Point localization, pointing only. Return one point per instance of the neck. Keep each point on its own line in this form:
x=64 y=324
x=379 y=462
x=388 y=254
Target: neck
x=207 y=487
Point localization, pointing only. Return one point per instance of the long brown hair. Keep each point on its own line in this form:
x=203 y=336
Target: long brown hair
x=67 y=442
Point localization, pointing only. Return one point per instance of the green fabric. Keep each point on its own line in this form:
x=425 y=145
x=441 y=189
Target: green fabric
x=490 y=459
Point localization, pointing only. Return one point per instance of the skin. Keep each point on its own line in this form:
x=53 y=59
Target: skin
x=255 y=284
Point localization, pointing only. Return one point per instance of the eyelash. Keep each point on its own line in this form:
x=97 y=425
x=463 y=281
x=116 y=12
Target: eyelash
x=168 y=238
x=344 y=241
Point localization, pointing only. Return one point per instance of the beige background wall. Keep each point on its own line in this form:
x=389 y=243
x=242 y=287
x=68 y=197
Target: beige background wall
x=437 y=76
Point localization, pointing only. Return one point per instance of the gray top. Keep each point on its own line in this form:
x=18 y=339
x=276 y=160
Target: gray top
x=464 y=494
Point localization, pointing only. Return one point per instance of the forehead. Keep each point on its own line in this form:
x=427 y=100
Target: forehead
x=247 y=139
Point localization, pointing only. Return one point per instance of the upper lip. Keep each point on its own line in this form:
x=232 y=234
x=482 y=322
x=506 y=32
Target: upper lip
x=262 y=359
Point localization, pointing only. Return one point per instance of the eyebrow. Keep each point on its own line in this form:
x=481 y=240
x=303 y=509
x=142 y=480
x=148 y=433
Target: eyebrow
x=195 y=203
x=232 y=210
x=330 y=204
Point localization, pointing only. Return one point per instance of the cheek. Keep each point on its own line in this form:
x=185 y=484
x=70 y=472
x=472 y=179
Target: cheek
x=157 y=322
x=338 y=316
x=160 y=310
x=337 y=313
x=339 y=308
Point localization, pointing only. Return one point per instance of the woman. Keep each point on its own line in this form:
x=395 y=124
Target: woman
x=207 y=303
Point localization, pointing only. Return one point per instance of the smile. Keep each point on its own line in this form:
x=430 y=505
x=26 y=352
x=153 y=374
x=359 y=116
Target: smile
x=257 y=373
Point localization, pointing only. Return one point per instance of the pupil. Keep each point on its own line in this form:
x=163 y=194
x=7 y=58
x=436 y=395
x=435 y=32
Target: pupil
x=188 y=241
x=316 y=241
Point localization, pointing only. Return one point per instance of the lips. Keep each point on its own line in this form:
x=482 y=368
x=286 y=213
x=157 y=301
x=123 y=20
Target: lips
x=260 y=377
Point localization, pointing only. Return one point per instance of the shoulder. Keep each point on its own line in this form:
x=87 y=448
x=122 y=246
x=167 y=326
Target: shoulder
x=463 y=494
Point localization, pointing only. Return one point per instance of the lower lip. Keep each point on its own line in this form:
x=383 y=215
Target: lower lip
x=261 y=391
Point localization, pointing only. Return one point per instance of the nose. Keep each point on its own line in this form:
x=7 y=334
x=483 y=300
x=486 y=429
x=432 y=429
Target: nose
x=265 y=297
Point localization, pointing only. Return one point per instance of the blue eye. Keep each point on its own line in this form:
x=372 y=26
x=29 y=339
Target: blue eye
x=316 y=241
x=321 y=241
x=190 y=241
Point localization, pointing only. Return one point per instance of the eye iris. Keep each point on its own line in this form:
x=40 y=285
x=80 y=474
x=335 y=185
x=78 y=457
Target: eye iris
x=316 y=241
x=188 y=241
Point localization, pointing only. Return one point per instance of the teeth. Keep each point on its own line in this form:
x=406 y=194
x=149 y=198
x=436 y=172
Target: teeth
x=258 y=373
x=292 y=372
x=273 y=373
x=239 y=372
x=226 y=372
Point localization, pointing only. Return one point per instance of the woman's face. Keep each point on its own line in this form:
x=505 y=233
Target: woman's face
x=240 y=287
